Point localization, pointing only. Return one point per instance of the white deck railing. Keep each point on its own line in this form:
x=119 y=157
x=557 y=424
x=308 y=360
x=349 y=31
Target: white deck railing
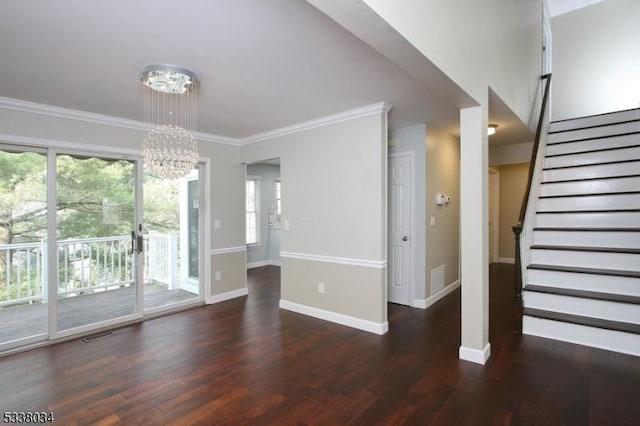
x=84 y=266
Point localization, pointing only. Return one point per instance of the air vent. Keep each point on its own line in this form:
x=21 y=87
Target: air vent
x=98 y=336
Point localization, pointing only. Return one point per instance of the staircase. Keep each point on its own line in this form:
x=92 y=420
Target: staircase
x=583 y=276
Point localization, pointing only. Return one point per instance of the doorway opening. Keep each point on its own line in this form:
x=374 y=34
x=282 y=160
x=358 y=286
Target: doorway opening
x=263 y=217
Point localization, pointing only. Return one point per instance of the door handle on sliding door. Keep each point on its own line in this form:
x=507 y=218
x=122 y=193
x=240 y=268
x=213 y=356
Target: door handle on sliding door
x=133 y=241
x=140 y=244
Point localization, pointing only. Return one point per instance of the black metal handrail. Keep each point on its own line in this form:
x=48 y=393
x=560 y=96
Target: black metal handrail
x=517 y=229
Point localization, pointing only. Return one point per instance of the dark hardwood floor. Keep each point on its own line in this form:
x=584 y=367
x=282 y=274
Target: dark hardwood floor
x=244 y=361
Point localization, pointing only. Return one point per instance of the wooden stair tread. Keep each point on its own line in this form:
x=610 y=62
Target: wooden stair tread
x=582 y=117
x=592 y=126
x=588 y=249
x=584 y=229
x=588 y=151
x=587 y=211
x=602 y=163
x=582 y=320
x=591 y=194
x=590 y=179
x=581 y=270
x=596 y=295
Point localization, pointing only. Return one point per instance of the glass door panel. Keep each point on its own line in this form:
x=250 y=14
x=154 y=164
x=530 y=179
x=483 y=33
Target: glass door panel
x=23 y=232
x=171 y=225
x=96 y=260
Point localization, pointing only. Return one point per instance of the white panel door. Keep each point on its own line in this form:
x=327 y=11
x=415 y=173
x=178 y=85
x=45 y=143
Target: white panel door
x=399 y=253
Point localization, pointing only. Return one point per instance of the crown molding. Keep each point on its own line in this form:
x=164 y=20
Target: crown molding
x=365 y=111
x=91 y=117
x=107 y=120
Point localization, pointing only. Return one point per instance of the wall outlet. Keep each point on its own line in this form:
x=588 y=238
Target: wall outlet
x=218 y=275
x=321 y=288
x=433 y=221
x=217 y=224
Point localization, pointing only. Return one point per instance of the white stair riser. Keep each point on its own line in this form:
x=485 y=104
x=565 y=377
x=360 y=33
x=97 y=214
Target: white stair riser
x=590 y=202
x=596 y=220
x=594 y=132
x=585 y=172
x=587 y=282
x=618 y=261
x=591 y=144
x=603 y=309
x=596 y=120
x=593 y=157
x=591 y=186
x=617 y=341
x=588 y=238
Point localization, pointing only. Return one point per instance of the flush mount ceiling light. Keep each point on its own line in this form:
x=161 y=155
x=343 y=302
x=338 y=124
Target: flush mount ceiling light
x=491 y=130
x=169 y=150
x=169 y=79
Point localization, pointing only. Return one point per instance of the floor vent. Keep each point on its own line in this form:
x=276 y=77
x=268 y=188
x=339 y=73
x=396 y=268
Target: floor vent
x=98 y=336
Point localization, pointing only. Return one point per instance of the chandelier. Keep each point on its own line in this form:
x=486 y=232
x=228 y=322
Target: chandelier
x=169 y=149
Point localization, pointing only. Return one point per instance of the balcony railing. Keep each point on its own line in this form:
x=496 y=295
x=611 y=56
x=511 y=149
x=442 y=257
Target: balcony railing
x=85 y=266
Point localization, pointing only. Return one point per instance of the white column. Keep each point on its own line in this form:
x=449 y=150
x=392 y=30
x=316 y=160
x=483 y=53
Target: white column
x=474 y=244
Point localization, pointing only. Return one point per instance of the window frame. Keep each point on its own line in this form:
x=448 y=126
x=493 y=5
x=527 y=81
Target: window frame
x=256 y=212
x=278 y=201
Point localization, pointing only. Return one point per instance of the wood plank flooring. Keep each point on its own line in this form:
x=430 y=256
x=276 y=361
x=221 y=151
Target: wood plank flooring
x=244 y=361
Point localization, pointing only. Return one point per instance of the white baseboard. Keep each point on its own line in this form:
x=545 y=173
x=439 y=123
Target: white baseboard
x=506 y=260
x=263 y=263
x=475 y=355
x=217 y=298
x=425 y=303
x=349 y=321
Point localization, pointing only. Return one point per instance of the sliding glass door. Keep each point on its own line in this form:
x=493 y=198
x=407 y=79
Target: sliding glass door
x=23 y=231
x=96 y=240
x=90 y=241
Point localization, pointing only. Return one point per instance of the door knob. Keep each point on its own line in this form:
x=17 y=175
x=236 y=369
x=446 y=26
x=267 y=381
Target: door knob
x=405 y=238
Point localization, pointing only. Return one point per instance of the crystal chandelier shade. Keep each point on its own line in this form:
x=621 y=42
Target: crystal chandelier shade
x=169 y=149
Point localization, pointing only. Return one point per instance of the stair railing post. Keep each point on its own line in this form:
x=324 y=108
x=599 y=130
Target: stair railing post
x=518 y=307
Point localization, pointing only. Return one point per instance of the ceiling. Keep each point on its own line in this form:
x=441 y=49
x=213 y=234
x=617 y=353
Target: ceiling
x=559 y=7
x=262 y=65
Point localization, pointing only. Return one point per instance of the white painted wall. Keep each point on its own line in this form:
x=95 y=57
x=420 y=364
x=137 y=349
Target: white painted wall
x=268 y=251
x=596 y=59
x=478 y=44
x=510 y=154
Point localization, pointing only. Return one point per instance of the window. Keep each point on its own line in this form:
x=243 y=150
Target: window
x=278 y=201
x=252 y=194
